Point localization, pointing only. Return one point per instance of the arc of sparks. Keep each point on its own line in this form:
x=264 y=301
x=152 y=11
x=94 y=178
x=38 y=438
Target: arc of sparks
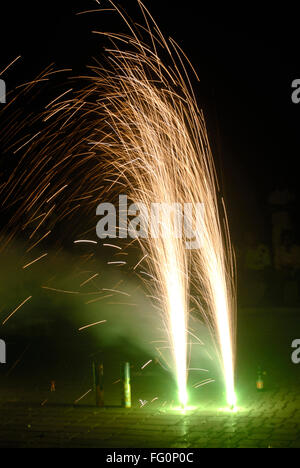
x=156 y=146
x=145 y=132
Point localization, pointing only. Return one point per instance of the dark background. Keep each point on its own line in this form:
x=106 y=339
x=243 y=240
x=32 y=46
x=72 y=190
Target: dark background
x=246 y=59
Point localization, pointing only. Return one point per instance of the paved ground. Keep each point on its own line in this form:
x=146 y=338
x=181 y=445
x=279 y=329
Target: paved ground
x=271 y=420
x=31 y=416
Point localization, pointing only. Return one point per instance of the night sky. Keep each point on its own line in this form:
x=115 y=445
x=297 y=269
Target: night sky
x=246 y=60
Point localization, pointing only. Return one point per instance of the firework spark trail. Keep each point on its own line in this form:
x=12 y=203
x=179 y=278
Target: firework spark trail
x=16 y=309
x=91 y=325
x=89 y=279
x=82 y=396
x=34 y=261
x=146 y=364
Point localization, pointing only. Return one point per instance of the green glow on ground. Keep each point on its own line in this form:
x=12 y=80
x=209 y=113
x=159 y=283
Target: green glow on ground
x=202 y=408
x=183 y=409
x=229 y=409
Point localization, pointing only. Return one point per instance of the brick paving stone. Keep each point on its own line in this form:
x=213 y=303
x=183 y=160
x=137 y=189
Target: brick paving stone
x=259 y=436
x=247 y=443
x=215 y=443
x=279 y=435
x=295 y=444
x=199 y=442
x=279 y=444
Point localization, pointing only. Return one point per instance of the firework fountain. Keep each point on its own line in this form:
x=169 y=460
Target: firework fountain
x=154 y=142
x=137 y=122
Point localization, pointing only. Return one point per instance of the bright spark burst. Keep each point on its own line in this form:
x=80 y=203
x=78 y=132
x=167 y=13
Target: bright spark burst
x=154 y=142
x=150 y=139
x=158 y=146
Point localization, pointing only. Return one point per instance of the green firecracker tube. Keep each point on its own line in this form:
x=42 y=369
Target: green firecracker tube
x=99 y=383
x=126 y=388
